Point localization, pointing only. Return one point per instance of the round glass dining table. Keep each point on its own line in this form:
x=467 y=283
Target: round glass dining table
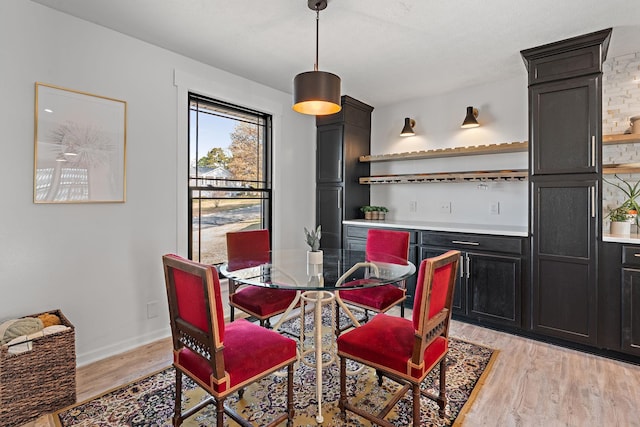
x=316 y=277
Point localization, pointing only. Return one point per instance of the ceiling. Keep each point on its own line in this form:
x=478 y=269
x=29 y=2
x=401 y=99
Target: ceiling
x=385 y=51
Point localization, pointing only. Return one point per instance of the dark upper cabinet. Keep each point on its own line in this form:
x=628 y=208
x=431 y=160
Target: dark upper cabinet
x=565 y=126
x=341 y=139
x=329 y=154
x=565 y=104
x=577 y=56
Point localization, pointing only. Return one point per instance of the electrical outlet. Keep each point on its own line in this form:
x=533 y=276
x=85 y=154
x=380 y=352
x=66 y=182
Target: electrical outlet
x=445 y=207
x=413 y=206
x=495 y=208
x=152 y=309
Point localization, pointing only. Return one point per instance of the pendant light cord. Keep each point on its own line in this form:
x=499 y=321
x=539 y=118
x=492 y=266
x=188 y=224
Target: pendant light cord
x=315 y=65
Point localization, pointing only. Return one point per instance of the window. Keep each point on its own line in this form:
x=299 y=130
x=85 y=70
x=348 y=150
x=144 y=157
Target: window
x=229 y=175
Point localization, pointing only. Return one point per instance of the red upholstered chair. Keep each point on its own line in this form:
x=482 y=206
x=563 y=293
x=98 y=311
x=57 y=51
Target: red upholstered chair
x=248 y=249
x=383 y=246
x=407 y=350
x=220 y=358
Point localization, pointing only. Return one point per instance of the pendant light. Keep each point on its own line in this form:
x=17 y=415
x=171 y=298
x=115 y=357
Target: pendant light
x=316 y=92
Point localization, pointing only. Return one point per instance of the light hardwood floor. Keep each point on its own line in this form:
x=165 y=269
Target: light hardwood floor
x=531 y=383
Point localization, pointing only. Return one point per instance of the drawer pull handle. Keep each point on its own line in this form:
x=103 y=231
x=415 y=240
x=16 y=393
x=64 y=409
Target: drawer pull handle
x=462 y=242
x=636 y=255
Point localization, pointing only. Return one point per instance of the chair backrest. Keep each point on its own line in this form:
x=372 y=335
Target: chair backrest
x=433 y=298
x=195 y=307
x=381 y=243
x=247 y=248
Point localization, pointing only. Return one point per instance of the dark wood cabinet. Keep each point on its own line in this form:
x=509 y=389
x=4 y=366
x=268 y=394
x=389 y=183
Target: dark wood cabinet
x=565 y=163
x=356 y=239
x=630 y=302
x=489 y=284
x=564 y=123
x=565 y=258
x=341 y=139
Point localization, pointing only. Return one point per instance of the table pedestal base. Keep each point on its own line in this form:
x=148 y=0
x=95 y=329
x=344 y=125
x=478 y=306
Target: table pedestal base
x=319 y=298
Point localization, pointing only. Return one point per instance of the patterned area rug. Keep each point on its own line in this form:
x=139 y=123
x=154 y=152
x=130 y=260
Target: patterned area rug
x=149 y=401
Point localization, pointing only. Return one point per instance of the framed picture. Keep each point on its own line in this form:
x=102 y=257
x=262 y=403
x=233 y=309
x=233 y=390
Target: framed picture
x=80 y=142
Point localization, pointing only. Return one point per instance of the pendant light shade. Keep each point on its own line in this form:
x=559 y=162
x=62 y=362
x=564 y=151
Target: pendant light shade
x=316 y=92
x=407 y=130
x=470 y=120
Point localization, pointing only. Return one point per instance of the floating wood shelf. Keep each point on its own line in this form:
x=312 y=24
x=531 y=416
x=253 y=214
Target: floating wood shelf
x=621 y=138
x=510 y=147
x=502 y=175
x=621 y=168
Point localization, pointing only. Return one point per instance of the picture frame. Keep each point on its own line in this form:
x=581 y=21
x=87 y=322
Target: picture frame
x=79 y=147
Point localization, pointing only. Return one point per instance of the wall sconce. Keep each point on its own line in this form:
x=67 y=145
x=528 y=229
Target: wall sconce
x=470 y=121
x=407 y=130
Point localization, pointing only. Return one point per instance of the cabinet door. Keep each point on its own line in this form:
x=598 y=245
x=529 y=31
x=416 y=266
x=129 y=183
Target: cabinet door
x=329 y=154
x=564 y=125
x=460 y=292
x=329 y=214
x=493 y=288
x=631 y=311
x=564 y=261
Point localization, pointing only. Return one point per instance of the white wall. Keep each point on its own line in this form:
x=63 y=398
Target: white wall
x=503 y=118
x=100 y=263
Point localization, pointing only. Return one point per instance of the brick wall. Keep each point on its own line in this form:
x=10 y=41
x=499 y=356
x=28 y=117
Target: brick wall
x=620 y=100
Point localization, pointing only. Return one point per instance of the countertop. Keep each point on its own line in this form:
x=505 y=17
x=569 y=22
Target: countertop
x=493 y=229
x=633 y=238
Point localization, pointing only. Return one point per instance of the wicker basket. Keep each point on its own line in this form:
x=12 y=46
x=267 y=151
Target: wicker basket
x=40 y=380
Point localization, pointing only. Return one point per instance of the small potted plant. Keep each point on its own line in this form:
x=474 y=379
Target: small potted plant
x=312 y=238
x=631 y=192
x=367 y=211
x=619 y=221
x=382 y=211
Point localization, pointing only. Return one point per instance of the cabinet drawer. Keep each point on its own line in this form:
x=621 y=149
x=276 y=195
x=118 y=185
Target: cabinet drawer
x=631 y=256
x=506 y=244
x=357 y=232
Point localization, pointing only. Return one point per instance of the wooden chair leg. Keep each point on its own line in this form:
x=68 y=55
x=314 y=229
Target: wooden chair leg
x=416 y=404
x=232 y=312
x=290 y=409
x=343 y=387
x=219 y=412
x=240 y=393
x=379 y=374
x=177 y=412
x=442 y=401
x=402 y=309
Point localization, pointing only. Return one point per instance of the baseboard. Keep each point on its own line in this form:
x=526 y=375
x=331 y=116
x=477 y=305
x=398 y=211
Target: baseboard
x=121 y=347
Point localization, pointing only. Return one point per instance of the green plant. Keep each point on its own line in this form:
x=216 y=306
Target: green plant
x=618 y=214
x=382 y=209
x=366 y=209
x=631 y=191
x=312 y=238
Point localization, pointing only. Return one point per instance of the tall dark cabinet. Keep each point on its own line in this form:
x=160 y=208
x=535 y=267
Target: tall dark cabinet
x=341 y=139
x=565 y=164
